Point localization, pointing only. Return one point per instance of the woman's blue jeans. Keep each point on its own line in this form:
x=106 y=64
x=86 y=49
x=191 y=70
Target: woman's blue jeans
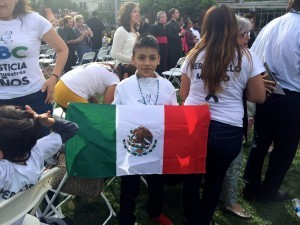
x=36 y=101
x=223 y=146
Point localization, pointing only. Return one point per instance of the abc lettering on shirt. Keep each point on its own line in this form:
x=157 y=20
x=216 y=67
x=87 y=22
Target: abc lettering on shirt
x=12 y=73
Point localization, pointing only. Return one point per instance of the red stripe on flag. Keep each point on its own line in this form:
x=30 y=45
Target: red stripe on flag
x=185 y=141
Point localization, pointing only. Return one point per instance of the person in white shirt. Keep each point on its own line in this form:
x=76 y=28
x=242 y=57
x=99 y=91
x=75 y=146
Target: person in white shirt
x=83 y=83
x=127 y=32
x=145 y=87
x=21 y=78
x=230 y=191
x=278 y=120
x=216 y=72
x=195 y=31
x=22 y=154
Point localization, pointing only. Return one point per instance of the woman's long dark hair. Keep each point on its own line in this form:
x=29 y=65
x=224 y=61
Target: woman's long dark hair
x=21 y=8
x=219 y=34
x=125 y=15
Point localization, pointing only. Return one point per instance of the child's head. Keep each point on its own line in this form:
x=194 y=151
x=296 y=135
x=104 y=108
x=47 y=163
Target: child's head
x=145 y=55
x=125 y=70
x=18 y=133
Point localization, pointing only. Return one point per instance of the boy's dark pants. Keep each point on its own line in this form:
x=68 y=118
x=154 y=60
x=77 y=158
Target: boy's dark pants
x=130 y=189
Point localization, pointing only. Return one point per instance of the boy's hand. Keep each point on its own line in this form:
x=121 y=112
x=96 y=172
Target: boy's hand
x=44 y=119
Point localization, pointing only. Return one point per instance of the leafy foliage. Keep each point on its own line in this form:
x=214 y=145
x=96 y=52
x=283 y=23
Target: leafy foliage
x=185 y=7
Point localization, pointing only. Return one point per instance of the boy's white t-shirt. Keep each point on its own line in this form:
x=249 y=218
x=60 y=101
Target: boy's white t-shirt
x=86 y=81
x=15 y=178
x=128 y=92
x=229 y=108
x=20 y=41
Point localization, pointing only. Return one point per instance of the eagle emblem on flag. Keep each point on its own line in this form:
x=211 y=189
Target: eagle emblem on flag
x=140 y=142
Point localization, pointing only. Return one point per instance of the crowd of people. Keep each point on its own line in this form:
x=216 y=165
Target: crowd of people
x=219 y=70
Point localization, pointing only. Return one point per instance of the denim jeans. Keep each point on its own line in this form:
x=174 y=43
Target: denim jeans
x=224 y=144
x=81 y=50
x=36 y=101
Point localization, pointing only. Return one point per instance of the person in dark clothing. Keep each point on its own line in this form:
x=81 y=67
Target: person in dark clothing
x=97 y=27
x=174 y=35
x=189 y=36
x=68 y=35
x=159 y=32
x=144 y=26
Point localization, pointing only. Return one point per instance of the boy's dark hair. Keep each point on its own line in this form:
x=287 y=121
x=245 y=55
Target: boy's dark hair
x=18 y=133
x=146 y=41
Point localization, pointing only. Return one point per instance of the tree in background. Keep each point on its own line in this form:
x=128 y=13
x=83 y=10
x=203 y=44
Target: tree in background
x=56 y=6
x=193 y=8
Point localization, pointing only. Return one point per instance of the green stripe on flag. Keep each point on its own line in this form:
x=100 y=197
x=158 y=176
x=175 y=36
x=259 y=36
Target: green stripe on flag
x=95 y=140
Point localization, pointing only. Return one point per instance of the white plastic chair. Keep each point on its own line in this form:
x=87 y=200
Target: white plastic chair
x=47 y=62
x=43 y=50
x=101 y=55
x=174 y=74
x=18 y=206
x=86 y=58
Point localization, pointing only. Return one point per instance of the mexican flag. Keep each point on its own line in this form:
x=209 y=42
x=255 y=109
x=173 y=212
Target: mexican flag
x=116 y=140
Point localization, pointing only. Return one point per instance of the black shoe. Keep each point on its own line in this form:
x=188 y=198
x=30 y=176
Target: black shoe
x=277 y=196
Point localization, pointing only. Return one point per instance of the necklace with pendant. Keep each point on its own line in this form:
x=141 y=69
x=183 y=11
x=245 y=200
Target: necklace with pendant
x=157 y=93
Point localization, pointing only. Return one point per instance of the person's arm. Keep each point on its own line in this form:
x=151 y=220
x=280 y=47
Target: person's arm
x=255 y=90
x=79 y=39
x=109 y=94
x=116 y=50
x=61 y=49
x=66 y=129
x=90 y=32
x=184 y=87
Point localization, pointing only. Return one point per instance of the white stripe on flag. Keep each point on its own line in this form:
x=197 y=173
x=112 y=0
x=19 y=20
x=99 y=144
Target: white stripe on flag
x=149 y=117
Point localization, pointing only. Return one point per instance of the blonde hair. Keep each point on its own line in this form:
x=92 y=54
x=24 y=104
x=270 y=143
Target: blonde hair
x=78 y=17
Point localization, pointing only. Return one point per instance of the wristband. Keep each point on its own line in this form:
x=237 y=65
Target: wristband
x=55 y=76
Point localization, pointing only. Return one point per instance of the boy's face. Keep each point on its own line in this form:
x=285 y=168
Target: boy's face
x=146 y=61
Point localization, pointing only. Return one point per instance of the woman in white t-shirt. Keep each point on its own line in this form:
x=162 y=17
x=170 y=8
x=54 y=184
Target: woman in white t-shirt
x=216 y=72
x=127 y=32
x=84 y=82
x=21 y=79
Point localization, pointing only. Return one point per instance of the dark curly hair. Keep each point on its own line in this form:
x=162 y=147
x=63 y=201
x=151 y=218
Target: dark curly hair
x=21 y=8
x=18 y=133
x=124 y=15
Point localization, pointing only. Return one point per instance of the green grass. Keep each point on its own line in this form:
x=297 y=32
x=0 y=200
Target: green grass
x=94 y=212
